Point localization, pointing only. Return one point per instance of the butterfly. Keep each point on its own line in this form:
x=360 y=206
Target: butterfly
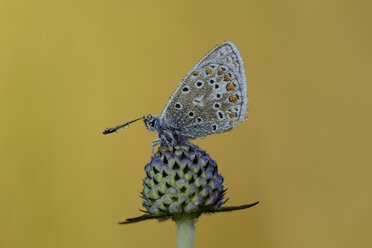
x=211 y=99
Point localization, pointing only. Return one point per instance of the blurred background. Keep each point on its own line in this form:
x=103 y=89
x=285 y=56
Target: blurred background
x=69 y=69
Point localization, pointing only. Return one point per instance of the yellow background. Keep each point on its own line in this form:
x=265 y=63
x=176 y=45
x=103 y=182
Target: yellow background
x=69 y=69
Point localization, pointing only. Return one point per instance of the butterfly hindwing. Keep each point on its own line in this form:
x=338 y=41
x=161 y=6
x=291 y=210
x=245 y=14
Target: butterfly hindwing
x=212 y=98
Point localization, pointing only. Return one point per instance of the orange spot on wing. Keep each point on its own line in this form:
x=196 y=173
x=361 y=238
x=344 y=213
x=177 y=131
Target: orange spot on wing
x=208 y=71
x=227 y=78
x=230 y=87
x=195 y=73
x=219 y=72
x=233 y=98
x=232 y=116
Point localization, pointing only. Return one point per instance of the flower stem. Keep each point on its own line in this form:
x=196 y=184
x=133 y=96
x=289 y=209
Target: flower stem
x=185 y=232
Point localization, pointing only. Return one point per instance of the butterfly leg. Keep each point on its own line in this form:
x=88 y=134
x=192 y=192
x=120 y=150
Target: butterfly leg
x=154 y=143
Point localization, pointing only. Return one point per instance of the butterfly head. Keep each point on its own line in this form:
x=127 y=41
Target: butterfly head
x=152 y=122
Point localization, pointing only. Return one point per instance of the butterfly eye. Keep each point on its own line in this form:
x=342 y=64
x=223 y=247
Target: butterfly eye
x=178 y=105
x=152 y=123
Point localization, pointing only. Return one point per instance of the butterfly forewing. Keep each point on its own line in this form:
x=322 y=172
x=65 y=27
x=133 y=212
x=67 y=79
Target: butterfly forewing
x=212 y=98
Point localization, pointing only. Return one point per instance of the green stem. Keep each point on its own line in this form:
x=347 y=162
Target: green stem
x=185 y=233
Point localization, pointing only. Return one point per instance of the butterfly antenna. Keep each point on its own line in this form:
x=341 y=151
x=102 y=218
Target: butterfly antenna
x=114 y=129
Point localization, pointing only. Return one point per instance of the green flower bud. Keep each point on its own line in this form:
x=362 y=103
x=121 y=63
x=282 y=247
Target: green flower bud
x=182 y=179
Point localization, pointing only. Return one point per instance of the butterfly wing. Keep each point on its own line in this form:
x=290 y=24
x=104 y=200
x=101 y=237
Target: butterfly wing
x=212 y=98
